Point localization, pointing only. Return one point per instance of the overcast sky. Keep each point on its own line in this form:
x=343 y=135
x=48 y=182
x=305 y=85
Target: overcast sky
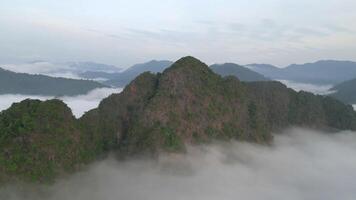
x=122 y=33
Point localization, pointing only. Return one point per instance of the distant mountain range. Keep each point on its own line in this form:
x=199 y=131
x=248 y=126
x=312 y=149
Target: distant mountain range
x=131 y=73
x=345 y=92
x=242 y=73
x=123 y=78
x=325 y=72
x=321 y=72
x=120 y=79
x=92 y=66
x=21 y=83
x=60 y=69
x=328 y=72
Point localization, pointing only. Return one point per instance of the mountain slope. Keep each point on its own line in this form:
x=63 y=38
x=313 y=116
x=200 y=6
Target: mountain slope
x=242 y=73
x=320 y=72
x=186 y=104
x=20 y=83
x=345 y=92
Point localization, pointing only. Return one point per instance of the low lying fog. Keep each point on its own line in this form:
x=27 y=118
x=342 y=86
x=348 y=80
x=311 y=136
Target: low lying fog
x=302 y=164
x=313 y=88
x=316 y=89
x=79 y=104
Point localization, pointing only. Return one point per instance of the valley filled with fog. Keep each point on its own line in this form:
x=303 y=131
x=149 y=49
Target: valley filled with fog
x=313 y=88
x=300 y=164
x=79 y=104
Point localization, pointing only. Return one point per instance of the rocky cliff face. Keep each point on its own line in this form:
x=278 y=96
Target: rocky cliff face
x=187 y=103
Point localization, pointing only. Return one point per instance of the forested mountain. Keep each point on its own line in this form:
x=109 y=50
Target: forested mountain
x=20 y=83
x=186 y=104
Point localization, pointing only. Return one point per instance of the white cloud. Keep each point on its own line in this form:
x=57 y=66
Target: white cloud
x=70 y=70
x=44 y=68
x=354 y=106
x=79 y=104
x=302 y=164
x=34 y=68
x=82 y=103
x=316 y=89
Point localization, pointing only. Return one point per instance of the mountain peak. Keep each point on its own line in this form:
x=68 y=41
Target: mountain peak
x=188 y=63
x=189 y=60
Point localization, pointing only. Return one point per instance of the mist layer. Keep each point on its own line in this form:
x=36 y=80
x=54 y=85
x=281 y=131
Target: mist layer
x=316 y=89
x=301 y=164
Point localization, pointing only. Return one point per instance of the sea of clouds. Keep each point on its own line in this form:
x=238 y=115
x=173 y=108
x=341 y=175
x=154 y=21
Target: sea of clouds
x=44 y=68
x=301 y=164
x=79 y=104
x=313 y=88
x=53 y=69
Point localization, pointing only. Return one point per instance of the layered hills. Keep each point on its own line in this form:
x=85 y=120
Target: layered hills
x=320 y=72
x=185 y=104
x=242 y=73
x=28 y=84
x=121 y=79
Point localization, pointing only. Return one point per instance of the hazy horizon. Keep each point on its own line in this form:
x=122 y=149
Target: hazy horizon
x=50 y=63
x=124 y=33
